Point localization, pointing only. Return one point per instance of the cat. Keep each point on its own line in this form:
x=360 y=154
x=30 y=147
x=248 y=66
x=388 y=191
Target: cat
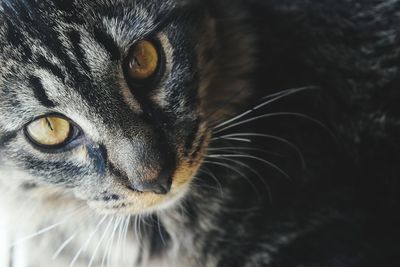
x=199 y=133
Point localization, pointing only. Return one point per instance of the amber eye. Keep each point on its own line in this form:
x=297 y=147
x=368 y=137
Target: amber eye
x=144 y=60
x=49 y=131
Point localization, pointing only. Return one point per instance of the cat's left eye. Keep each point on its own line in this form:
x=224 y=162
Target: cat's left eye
x=144 y=60
x=50 y=131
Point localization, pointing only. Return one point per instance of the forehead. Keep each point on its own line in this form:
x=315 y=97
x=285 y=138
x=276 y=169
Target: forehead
x=33 y=23
x=137 y=14
x=43 y=33
x=82 y=8
x=45 y=22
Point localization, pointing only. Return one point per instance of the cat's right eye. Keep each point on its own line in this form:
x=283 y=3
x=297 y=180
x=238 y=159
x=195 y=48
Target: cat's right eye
x=50 y=131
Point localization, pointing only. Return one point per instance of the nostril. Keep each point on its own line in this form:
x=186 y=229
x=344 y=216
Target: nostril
x=132 y=188
x=158 y=187
x=161 y=189
x=165 y=187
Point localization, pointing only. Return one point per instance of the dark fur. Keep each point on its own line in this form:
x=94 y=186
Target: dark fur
x=340 y=209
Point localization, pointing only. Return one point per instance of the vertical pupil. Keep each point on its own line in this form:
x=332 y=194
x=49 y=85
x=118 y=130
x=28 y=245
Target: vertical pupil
x=49 y=124
x=141 y=56
x=137 y=61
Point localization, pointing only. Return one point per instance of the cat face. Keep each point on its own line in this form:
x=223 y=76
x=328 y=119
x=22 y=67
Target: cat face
x=106 y=101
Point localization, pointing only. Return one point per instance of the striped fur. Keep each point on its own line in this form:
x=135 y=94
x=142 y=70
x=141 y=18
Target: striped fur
x=68 y=58
x=242 y=194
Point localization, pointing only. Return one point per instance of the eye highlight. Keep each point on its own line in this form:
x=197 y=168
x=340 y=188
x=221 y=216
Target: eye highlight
x=49 y=131
x=144 y=60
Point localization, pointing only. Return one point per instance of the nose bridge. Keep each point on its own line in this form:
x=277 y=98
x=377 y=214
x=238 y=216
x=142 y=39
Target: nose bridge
x=145 y=162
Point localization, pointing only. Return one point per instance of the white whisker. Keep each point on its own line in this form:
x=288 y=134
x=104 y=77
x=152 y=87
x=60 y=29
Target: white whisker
x=110 y=242
x=135 y=228
x=275 y=97
x=210 y=174
x=255 y=158
x=276 y=114
x=160 y=231
x=100 y=241
x=282 y=140
x=139 y=234
x=198 y=184
x=253 y=171
x=47 y=229
x=84 y=246
x=286 y=93
x=233 y=169
x=124 y=241
x=237 y=139
x=63 y=245
x=119 y=240
x=234 y=149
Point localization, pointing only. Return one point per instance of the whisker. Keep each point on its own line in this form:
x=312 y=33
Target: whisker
x=63 y=245
x=135 y=228
x=120 y=230
x=84 y=246
x=233 y=169
x=100 y=241
x=46 y=229
x=197 y=183
x=210 y=174
x=120 y=234
x=184 y=211
x=277 y=114
x=139 y=234
x=267 y=187
x=110 y=242
x=238 y=139
x=234 y=149
x=255 y=158
x=275 y=97
x=119 y=239
x=289 y=92
x=282 y=140
x=160 y=231
x=125 y=235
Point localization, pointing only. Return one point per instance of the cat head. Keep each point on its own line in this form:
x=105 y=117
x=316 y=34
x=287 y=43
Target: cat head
x=110 y=102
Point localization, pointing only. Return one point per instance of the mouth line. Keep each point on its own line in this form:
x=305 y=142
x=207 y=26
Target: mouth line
x=125 y=209
x=115 y=207
x=140 y=206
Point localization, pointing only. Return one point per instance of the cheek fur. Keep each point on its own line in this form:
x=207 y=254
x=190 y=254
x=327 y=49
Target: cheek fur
x=189 y=163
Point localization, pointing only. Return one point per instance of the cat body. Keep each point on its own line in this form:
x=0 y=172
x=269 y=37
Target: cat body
x=266 y=137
